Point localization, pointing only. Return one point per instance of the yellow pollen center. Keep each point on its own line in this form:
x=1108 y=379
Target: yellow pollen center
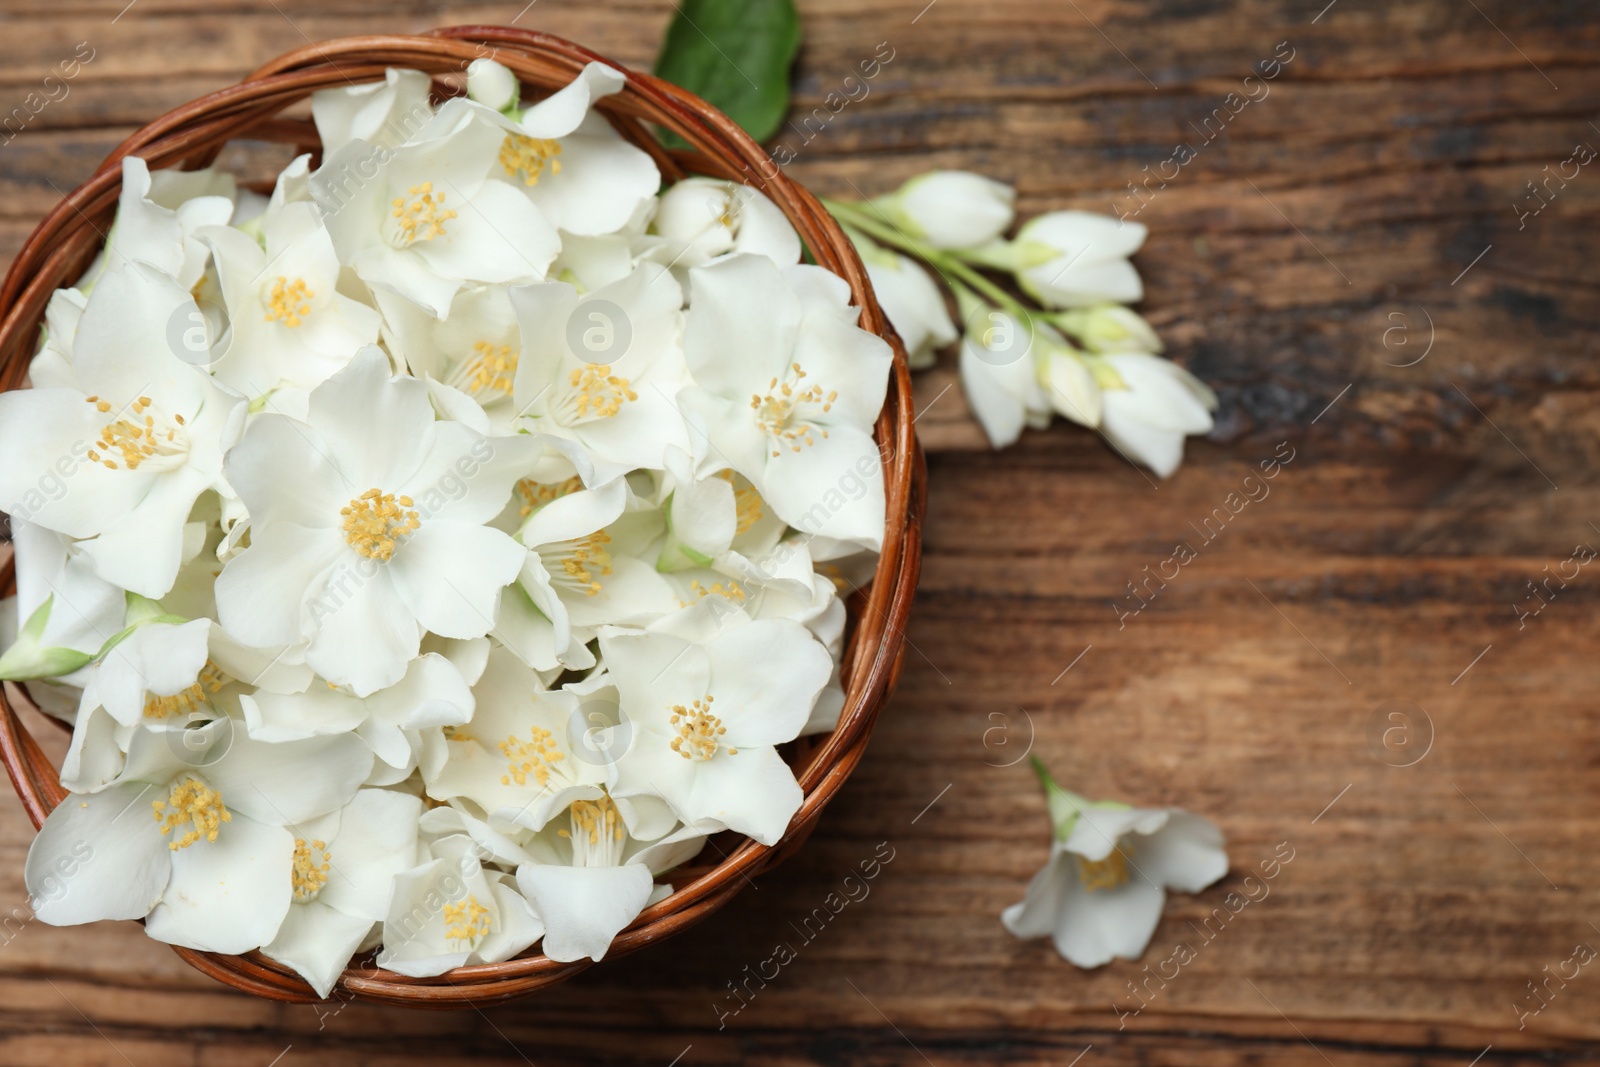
x=134 y=437
x=492 y=368
x=538 y=494
x=729 y=590
x=183 y=702
x=195 y=804
x=312 y=862
x=421 y=218
x=595 y=819
x=529 y=156
x=775 y=412
x=375 y=522
x=466 y=921
x=289 y=302
x=600 y=394
x=531 y=758
x=697 y=730
x=746 y=502
x=1108 y=873
x=588 y=561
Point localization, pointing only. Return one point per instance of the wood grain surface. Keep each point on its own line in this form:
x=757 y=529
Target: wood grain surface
x=1353 y=260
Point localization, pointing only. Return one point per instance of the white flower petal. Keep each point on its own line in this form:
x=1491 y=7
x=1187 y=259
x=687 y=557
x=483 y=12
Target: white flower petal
x=584 y=908
x=317 y=942
x=229 y=895
x=449 y=576
x=98 y=856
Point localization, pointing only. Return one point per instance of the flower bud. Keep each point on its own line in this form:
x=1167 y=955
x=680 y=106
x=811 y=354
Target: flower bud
x=911 y=300
x=1108 y=328
x=1078 y=259
x=492 y=84
x=1160 y=404
x=28 y=657
x=951 y=208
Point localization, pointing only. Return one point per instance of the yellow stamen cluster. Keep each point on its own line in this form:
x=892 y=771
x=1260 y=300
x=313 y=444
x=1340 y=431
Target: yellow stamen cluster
x=529 y=156
x=597 y=819
x=492 y=368
x=466 y=921
x=588 y=558
x=729 y=590
x=196 y=804
x=697 y=730
x=746 y=503
x=535 y=757
x=375 y=522
x=422 y=218
x=310 y=871
x=538 y=494
x=289 y=301
x=1108 y=873
x=134 y=436
x=601 y=394
x=776 y=410
x=183 y=702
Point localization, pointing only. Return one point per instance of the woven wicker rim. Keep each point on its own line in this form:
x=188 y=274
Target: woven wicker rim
x=192 y=135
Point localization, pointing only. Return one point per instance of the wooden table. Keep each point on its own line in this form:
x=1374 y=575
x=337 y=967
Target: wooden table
x=1348 y=260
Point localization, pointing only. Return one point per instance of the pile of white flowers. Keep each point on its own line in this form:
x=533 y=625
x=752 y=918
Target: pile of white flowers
x=1081 y=353
x=432 y=554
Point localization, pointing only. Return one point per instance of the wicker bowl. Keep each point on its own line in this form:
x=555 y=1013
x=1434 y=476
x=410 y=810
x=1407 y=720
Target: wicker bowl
x=191 y=136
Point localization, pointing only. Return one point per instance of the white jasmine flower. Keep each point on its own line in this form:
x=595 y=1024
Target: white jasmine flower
x=699 y=220
x=1067 y=378
x=1070 y=259
x=85 y=611
x=1000 y=377
x=788 y=397
x=911 y=300
x=708 y=517
x=1158 y=405
x=191 y=836
x=424 y=218
x=1101 y=893
x=367 y=527
x=144 y=432
x=288 y=325
x=515 y=763
x=163 y=235
x=449 y=911
x=706 y=710
x=581 y=570
x=603 y=368
x=164 y=672
x=474 y=351
x=590 y=877
x=383 y=114
x=342 y=879
x=154 y=673
x=432 y=694
x=571 y=163
x=951 y=208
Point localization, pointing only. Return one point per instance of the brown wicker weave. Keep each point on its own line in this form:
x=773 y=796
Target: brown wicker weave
x=192 y=135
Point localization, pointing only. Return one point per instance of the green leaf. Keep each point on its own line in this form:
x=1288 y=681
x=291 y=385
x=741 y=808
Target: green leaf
x=736 y=55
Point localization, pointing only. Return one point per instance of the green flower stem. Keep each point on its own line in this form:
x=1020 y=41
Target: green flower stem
x=951 y=269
